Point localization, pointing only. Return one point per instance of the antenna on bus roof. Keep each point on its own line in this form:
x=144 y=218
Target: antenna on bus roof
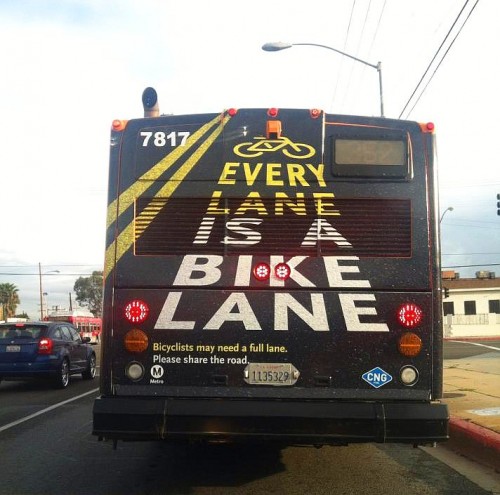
x=150 y=103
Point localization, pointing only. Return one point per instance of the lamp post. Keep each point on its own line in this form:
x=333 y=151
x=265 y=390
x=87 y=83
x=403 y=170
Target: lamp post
x=279 y=45
x=41 y=289
x=450 y=208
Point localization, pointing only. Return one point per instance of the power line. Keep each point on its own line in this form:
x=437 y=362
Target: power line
x=435 y=56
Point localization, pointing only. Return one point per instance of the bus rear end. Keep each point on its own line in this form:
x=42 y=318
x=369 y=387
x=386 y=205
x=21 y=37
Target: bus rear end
x=272 y=275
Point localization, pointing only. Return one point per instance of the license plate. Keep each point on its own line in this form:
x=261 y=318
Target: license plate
x=13 y=348
x=276 y=374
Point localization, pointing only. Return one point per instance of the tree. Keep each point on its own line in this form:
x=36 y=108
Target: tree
x=88 y=292
x=9 y=299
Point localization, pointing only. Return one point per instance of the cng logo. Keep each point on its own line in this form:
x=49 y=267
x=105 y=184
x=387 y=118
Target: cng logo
x=377 y=377
x=157 y=371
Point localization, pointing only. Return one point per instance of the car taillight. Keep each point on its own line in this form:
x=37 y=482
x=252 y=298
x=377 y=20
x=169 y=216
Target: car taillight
x=136 y=311
x=410 y=315
x=45 y=346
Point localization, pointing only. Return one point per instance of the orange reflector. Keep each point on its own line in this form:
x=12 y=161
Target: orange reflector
x=136 y=340
x=410 y=344
x=273 y=129
x=119 y=125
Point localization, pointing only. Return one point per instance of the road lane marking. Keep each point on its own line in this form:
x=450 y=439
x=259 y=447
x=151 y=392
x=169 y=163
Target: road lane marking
x=47 y=409
x=475 y=343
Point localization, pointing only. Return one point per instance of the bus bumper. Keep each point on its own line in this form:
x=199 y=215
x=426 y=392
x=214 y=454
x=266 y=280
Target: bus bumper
x=285 y=422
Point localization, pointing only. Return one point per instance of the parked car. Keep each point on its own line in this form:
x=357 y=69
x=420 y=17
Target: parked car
x=52 y=350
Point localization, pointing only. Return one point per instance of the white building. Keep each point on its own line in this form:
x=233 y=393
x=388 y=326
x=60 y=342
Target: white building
x=472 y=308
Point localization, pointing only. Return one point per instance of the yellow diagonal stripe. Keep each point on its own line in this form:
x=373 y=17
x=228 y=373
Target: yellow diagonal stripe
x=127 y=197
x=126 y=238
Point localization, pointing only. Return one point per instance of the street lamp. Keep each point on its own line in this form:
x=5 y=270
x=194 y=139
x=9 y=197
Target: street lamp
x=450 y=208
x=279 y=45
x=41 y=290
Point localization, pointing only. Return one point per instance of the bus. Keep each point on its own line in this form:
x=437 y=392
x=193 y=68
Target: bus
x=84 y=320
x=271 y=275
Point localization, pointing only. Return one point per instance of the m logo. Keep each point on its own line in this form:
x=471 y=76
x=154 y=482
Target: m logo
x=157 y=371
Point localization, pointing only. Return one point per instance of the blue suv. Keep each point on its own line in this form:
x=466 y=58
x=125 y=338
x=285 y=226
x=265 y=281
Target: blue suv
x=52 y=350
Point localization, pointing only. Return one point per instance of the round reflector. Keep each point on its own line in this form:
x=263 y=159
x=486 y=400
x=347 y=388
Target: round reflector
x=232 y=112
x=135 y=371
x=136 y=311
x=410 y=344
x=409 y=375
x=315 y=113
x=261 y=271
x=282 y=271
x=272 y=112
x=136 y=340
x=410 y=315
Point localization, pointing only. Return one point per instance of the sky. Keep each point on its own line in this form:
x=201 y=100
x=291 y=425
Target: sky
x=72 y=66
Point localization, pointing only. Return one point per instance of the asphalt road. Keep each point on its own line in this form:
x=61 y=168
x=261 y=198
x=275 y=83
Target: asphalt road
x=458 y=349
x=46 y=448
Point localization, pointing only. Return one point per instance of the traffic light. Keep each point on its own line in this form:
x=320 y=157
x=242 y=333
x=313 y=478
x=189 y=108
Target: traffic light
x=498 y=204
x=446 y=292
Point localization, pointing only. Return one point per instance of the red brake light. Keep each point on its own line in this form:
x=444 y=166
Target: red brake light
x=282 y=271
x=136 y=311
x=410 y=315
x=261 y=271
x=45 y=346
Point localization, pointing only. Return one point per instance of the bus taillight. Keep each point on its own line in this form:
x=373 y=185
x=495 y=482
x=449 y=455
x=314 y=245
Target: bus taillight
x=136 y=311
x=136 y=340
x=410 y=315
x=261 y=271
x=282 y=271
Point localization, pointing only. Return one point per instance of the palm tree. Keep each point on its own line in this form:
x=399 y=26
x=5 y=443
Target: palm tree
x=9 y=299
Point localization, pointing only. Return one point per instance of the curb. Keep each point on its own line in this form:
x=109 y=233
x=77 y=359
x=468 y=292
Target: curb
x=475 y=442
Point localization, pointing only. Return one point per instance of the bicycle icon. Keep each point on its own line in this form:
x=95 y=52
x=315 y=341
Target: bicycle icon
x=263 y=145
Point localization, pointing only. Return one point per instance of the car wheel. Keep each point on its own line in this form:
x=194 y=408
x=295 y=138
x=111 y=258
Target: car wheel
x=89 y=372
x=62 y=377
